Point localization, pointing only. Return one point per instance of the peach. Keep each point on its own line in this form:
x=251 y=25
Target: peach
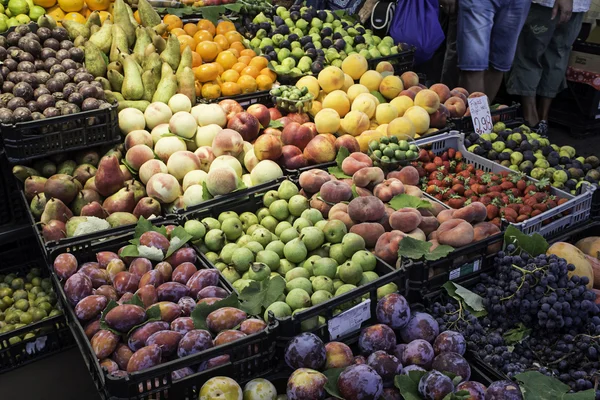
x=415 y=89
x=391 y=86
x=355 y=90
x=371 y=79
x=337 y=100
x=196 y=177
x=419 y=117
x=163 y=187
x=385 y=220
x=261 y=112
x=275 y=113
x=461 y=90
x=313 y=128
x=319 y=204
x=227 y=161
x=340 y=211
x=355 y=65
x=205 y=156
x=366 y=209
x=267 y=147
x=364 y=139
x=428 y=225
x=456 y=107
x=407 y=175
x=474 y=212
x=402 y=103
x=369 y=231
x=369 y=176
x=409 y=79
x=273 y=131
x=182 y=162
x=387 y=189
x=297 y=135
x=331 y=78
x=138 y=155
x=442 y=91
x=231 y=108
x=455 y=233
x=264 y=171
x=222 y=180
x=438 y=119
x=151 y=167
x=408 y=93
x=387 y=245
x=168 y=145
x=327 y=121
x=405 y=219
x=311 y=83
x=139 y=136
x=300 y=118
x=444 y=216
x=157 y=113
x=246 y=124
x=320 y=149
x=385 y=113
x=460 y=95
x=356 y=161
x=347 y=141
x=335 y=192
x=355 y=123
x=183 y=124
x=401 y=127
x=475 y=94
x=312 y=180
x=292 y=157
x=365 y=104
x=428 y=100
x=413 y=190
x=483 y=230
x=250 y=160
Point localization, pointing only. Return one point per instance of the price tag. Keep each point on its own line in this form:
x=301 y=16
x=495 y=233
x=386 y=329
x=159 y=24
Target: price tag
x=350 y=320
x=465 y=269
x=480 y=114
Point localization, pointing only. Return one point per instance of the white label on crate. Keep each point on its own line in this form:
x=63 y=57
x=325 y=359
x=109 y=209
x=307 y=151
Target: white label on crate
x=465 y=269
x=350 y=320
x=480 y=114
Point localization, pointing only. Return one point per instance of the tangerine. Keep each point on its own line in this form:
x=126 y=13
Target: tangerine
x=136 y=14
x=244 y=59
x=230 y=75
x=248 y=52
x=233 y=37
x=206 y=72
x=74 y=16
x=196 y=59
x=263 y=82
x=259 y=62
x=206 y=25
x=190 y=28
x=271 y=74
x=173 y=21
x=56 y=12
x=207 y=50
x=178 y=32
x=185 y=41
x=239 y=46
x=252 y=71
x=198 y=88
x=226 y=59
x=230 y=89
x=71 y=6
x=102 y=5
x=225 y=26
x=211 y=91
x=221 y=41
x=234 y=52
x=247 y=84
x=238 y=67
x=203 y=35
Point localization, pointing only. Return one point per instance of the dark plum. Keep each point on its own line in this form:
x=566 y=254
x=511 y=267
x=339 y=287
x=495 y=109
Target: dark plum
x=376 y=337
x=359 y=360
x=420 y=326
x=398 y=350
x=6 y=116
x=23 y=90
x=51 y=112
x=503 y=390
x=453 y=363
x=390 y=394
x=76 y=54
x=52 y=44
x=393 y=310
x=44 y=33
x=306 y=383
x=22 y=114
x=476 y=390
x=386 y=365
x=60 y=34
x=15 y=103
x=305 y=351
x=435 y=386
x=56 y=68
x=418 y=352
x=450 y=341
x=360 y=382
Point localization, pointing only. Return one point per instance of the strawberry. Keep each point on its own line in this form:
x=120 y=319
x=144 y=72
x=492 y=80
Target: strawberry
x=438 y=161
x=492 y=211
x=432 y=189
x=522 y=218
x=521 y=185
x=458 y=188
x=468 y=193
x=507 y=185
x=485 y=200
x=507 y=212
x=535 y=213
x=456 y=201
x=451 y=153
x=458 y=155
x=448 y=194
x=525 y=210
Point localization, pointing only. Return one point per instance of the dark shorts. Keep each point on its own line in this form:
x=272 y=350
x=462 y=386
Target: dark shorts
x=488 y=31
x=542 y=54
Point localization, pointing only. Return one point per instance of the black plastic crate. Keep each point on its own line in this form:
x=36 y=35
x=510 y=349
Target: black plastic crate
x=46 y=337
x=402 y=61
x=12 y=211
x=508 y=115
x=245 y=100
x=18 y=245
x=297 y=172
x=589 y=228
x=26 y=141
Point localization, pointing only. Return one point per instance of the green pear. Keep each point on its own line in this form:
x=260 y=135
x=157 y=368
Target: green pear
x=103 y=38
x=132 y=89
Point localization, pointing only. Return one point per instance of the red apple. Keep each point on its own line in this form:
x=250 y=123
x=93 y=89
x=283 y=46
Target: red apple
x=275 y=113
x=347 y=141
x=267 y=147
x=297 y=135
x=231 y=108
x=272 y=131
x=261 y=112
x=246 y=124
x=292 y=157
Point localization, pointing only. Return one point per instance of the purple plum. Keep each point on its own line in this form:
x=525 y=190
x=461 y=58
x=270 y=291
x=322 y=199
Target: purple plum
x=393 y=310
x=376 y=337
x=418 y=352
x=360 y=382
x=476 y=390
x=503 y=390
x=306 y=383
x=453 y=363
x=450 y=341
x=420 y=326
x=435 y=386
x=305 y=351
x=386 y=365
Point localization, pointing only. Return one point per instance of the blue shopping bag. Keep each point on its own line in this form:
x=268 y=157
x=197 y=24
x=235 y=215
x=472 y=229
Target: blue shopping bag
x=416 y=22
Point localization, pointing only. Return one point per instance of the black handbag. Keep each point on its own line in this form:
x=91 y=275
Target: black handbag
x=381 y=17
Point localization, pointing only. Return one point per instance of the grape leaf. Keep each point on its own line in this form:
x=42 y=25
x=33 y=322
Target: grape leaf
x=257 y=296
x=343 y=152
x=332 y=377
x=536 y=386
x=409 y=385
x=202 y=310
x=354 y=192
x=205 y=193
x=417 y=249
x=439 y=252
x=534 y=244
x=338 y=173
x=275 y=124
x=130 y=251
x=235 y=7
x=135 y=299
x=407 y=201
x=111 y=304
x=471 y=301
x=179 y=237
x=517 y=334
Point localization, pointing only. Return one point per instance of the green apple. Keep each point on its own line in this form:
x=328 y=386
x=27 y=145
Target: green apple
x=295 y=251
x=299 y=283
x=268 y=257
x=325 y=266
x=233 y=228
x=334 y=231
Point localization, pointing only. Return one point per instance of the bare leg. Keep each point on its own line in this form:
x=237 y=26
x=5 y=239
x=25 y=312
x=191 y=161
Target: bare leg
x=493 y=80
x=473 y=81
x=530 y=110
x=543 y=107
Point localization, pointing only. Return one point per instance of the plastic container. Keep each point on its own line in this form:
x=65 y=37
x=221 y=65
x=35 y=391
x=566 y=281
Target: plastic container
x=18 y=246
x=250 y=357
x=572 y=212
x=402 y=61
x=12 y=211
x=289 y=105
x=508 y=115
x=50 y=335
x=585 y=229
x=296 y=172
x=26 y=141
x=245 y=100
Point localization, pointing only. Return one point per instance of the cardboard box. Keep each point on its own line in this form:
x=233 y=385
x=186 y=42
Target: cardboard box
x=585 y=61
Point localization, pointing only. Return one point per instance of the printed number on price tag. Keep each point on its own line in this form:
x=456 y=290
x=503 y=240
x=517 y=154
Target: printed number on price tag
x=480 y=115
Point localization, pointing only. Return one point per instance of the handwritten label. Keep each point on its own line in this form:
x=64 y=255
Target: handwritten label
x=480 y=114
x=465 y=269
x=350 y=320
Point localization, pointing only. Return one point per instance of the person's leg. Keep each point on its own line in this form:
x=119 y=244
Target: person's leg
x=475 y=20
x=450 y=67
x=526 y=72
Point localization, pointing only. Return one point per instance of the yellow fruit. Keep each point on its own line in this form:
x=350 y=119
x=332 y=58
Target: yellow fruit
x=590 y=246
x=311 y=83
x=355 y=90
x=264 y=82
x=45 y=3
x=381 y=128
x=402 y=103
x=384 y=66
x=386 y=113
x=371 y=79
x=71 y=5
x=419 y=117
x=355 y=123
x=75 y=16
x=355 y=65
x=331 y=78
x=576 y=257
x=104 y=15
x=348 y=81
x=337 y=100
x=327 y=121
x=364 y=104
x=391 y=86
x=365 y=137
x=98 y=5
x=56 y=13
x=401 y=127
x=428 y=99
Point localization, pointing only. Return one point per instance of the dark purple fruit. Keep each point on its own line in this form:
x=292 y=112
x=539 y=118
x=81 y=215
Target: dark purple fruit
x=15 y=103
x=54 y=85
x=88 y=91
x=33 y=106
x=435 y=386
x=390 y=394
x=56 y=68
x=75 y=98
x=393 y=310
x=360 y=382
x=32 y=47
x=10 y=64
x=66 y=44
x=76 y=54
x=305 y=351
x=420 y=326
x=359 y=360
x=450 y=341
x=69 y=109
x=49 y=62
x=45 y=100
x=406 y=370
x=62 y=54
x=6 y=116
x=51 y=112
x=503 y=390
x=8 y=86
x=68 y=64
x=476 y=390
x=376 y=337
x=83 y=77
x=37 y=115
x=398 y=350
x=52 y=43
x=23 y=90
x=386 y=365
x=453 y=363
x=60 y=34
x=42 y=77
x=13 y=38
x=306 y=383
x=44 y=33
x=39 y=64
x=418 y=352
x=26 y=66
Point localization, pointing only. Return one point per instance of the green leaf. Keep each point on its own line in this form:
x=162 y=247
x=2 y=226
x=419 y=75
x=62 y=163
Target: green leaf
x=143 y=225
x=536 y=386
x=517 y=334
x=205 y=193
x=275 y=124
x=235 y=7
x=534 y=245
x=111 y=304
x=153 y=313
x=129 y=167
x=471 y=301
x=130 y=251
x=257 y=296
x=202 y=310
x=135 y=300
x=409 y=385
x=332 y=377
x=338 y=173
x=407 y=201
x=354 y=192
x=413 y=248
x=343 y=152
x=439 y=252
x=179 y=237
x=212 y=13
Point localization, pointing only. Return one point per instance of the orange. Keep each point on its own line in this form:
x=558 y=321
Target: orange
x=45 y=3
x=234 y=36
x=56 y=13
x=230 y=76
x=190 y=28
x=230 y=89
x=234 y=52
x=238 y=46
x=206 y=72
x=252 y=71
x=248 y=52
x=225 y=26
x=271 y=74
x=219 y=68
x=71 y=5
x=247 y=84
x=185 y=41
x=238 y=67
x=259 y=62
x=178 y=32
x=198 y=87
x=244 y=59
x=74 y=16
x=102 y=5
x=207 y=50
x=206 y=25
x=221 y=41
x=136 y=14
x=202 y=36
x=263 y=82
x=104 y=15
x=173 y=21
x=226 y=59
x=86 y=12
x=196 y=59
x=211 y=91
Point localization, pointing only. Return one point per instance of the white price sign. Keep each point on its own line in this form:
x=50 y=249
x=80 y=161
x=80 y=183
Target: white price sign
x=480 y=114
x=350 y=320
